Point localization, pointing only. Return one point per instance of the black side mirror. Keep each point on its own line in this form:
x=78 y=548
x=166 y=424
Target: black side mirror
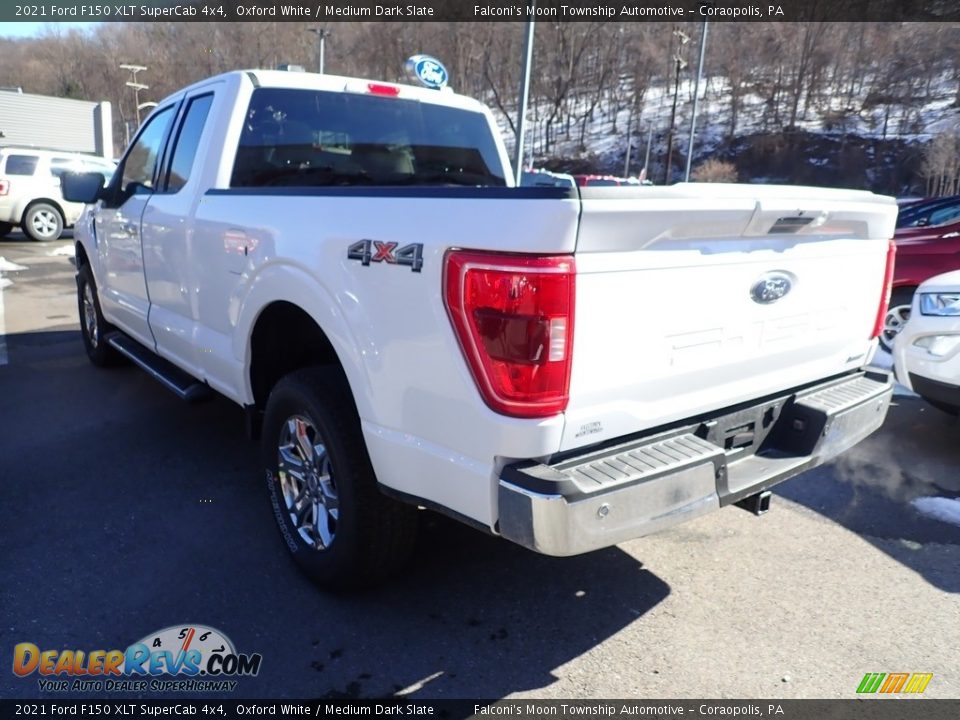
x=82 y=187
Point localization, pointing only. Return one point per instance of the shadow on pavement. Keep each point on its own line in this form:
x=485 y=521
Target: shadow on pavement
x=870 y=488
x=135 y=512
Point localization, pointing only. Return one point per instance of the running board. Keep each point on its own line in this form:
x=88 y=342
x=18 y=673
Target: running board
x=184 y=386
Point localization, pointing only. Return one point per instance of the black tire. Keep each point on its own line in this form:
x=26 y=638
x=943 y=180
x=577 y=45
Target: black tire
x=42 y=222
x=93 y=327
x=898 y=312
x=371 y=535
x=5 y=229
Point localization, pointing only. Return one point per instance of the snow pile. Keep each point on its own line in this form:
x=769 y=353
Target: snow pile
x=939 y=508
x=63 y=250
x=7 y=266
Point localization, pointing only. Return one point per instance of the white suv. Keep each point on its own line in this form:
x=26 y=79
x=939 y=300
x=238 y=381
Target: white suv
x=30 y=189
x=926 y=351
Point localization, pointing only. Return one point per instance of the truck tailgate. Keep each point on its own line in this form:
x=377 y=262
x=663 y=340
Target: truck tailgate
x=692 y=298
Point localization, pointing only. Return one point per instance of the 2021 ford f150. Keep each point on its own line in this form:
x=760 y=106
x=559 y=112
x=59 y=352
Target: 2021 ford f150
x=568 y=368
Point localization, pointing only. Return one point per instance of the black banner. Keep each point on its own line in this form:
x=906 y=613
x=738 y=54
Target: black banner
x=863 y=709
x=333 y=11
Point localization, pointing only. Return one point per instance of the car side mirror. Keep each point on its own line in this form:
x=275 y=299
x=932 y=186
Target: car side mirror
x=83 y=188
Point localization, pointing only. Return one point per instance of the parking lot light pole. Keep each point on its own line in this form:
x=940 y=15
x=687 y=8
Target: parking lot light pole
x=696 y=98
x=524 y=95
x=322 y=34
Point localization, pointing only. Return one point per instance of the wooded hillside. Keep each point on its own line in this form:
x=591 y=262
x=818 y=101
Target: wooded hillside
x=592 y=81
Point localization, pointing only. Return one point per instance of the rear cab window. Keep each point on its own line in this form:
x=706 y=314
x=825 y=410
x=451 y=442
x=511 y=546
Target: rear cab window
x=21 y=164
x=294 y=137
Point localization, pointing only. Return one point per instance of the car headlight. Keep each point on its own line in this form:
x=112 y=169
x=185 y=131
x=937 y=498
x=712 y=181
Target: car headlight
x=942 y=304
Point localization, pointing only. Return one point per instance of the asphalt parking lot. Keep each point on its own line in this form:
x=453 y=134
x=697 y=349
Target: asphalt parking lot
x=126 y=511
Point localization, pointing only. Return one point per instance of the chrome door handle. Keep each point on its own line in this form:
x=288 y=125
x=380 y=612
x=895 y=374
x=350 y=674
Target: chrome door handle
x=131 y=228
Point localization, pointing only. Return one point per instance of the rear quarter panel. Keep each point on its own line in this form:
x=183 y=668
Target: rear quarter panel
x=427 y=429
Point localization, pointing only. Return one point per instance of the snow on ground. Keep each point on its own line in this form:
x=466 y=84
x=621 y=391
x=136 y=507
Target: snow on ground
x=939 y=508
x=832 y=115
x=7 y=266
x=64 y=250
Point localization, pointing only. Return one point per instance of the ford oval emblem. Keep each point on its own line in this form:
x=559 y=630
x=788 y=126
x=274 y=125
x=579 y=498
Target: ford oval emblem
x=429 y=71
x=771 y=287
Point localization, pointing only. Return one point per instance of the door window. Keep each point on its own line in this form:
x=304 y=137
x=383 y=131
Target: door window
x=140 y=165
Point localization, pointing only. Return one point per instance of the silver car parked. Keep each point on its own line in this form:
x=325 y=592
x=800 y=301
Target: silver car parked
x=30 y=194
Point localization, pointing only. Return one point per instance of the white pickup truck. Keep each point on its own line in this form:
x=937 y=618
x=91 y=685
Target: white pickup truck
x=566 y=368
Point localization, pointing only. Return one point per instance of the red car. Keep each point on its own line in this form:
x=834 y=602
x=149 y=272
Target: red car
x=602 y=180
x=928 y=245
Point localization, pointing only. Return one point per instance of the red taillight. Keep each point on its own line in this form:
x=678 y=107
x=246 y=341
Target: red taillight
x=4 y=187
x=379 y=89
x=885 y=295
x=513 y=316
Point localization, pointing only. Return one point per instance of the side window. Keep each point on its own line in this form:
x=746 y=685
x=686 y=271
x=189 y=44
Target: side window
x=188 y=139
x=944 y=215
x=141 y=162
x=21 y=164
x=58 y=166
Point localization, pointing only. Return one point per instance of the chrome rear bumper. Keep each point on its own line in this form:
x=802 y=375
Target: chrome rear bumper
x=605 y=496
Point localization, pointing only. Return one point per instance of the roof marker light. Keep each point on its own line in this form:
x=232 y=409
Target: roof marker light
x=380 y=89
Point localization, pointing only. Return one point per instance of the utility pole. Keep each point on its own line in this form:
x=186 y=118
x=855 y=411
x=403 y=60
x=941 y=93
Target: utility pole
x=646 y=160
x=626 y=161
x=137 y=87
x=322 y=34
x=680 y=63
x=696 y=98
x=524 y=94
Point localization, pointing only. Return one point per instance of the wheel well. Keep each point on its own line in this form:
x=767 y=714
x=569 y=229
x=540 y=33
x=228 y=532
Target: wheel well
x=47 y=201
x=80 y=256
x=903 y=289
x=284 y=339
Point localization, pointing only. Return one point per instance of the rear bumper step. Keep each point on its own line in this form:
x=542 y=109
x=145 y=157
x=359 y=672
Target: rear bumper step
x=602 y=497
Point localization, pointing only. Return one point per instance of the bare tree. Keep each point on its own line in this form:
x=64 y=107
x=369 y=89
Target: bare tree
x=941 y=164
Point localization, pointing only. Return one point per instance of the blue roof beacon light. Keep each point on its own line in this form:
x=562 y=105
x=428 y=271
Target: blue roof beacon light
x=428 y=71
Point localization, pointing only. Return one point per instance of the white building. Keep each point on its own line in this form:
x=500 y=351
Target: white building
x=55 y=123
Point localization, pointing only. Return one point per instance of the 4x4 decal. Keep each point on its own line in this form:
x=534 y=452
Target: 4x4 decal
x=368 y=251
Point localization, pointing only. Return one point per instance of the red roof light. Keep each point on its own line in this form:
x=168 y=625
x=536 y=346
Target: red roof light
x=379 y=89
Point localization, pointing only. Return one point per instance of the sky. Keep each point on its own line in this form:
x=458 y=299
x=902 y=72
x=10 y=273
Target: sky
x=32 y=29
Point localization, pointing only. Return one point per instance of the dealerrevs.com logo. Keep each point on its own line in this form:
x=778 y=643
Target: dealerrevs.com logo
x=894 y=683
x=180 y=658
